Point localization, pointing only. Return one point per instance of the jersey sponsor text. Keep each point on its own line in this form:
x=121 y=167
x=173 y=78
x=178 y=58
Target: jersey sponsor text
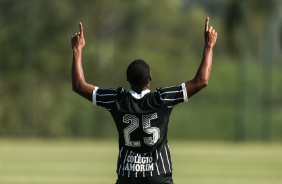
x=139 y=163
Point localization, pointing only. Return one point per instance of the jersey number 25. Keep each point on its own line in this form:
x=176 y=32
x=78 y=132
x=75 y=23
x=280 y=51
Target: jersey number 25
x=133 y=122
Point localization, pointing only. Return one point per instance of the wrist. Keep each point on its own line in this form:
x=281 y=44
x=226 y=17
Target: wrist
x=207 y=46
x=77 y=50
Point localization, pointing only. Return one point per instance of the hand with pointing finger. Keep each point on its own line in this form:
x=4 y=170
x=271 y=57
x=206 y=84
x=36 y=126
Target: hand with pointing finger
x=77 y=40
x=210 y=34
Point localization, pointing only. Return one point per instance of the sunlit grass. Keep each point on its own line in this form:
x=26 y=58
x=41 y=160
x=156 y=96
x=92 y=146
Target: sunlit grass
x=85 y=162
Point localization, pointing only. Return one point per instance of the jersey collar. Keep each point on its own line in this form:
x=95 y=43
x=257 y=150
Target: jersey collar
x=138 y=96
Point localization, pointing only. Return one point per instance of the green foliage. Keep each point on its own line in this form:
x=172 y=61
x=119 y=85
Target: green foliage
x=36 y=96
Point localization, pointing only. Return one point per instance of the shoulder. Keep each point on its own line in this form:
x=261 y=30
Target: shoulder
x=103 y=96
x=110 y=91
x=171 y=89
x=173 y=94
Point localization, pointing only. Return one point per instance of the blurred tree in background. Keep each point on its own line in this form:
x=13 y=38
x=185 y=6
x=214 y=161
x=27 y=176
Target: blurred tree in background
x=242 y=102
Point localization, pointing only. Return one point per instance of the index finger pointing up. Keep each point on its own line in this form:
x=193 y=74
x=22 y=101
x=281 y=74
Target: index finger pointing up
x=207 y=24
x=81 y=28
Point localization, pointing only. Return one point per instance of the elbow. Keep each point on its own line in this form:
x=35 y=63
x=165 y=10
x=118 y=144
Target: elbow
x=202 y=80
x=75 y=88
x=205 y=83
x=202 y=83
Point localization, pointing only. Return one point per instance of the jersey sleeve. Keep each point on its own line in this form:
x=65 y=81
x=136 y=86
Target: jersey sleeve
x=173 y=95
x=104 y=97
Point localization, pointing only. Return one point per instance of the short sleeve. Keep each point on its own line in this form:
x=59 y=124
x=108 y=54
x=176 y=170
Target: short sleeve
x=94 y=95
x=173 y=95
x=185 y=95
x=104 y=97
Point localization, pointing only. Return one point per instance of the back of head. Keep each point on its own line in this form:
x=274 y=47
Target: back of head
x=138 y=73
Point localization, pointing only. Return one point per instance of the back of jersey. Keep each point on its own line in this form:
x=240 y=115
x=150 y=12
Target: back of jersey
x=142 y=122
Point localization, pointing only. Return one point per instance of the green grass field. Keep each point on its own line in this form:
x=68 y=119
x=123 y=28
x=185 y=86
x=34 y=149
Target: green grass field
x=88 y=162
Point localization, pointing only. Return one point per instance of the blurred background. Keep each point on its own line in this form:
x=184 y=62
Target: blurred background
x=243 y=101
x=230 y=132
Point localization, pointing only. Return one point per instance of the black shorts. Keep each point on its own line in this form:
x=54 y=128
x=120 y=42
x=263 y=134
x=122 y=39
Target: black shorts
x=161 y=179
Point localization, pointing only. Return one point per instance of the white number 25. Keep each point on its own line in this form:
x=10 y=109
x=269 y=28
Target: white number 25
x=133 y=122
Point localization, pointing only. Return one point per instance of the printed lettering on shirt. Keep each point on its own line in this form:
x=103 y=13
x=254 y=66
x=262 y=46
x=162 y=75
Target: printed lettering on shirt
x=139 y=163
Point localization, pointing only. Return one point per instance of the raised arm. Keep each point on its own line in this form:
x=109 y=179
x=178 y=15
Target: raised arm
x=203 y=74
x=79 y=85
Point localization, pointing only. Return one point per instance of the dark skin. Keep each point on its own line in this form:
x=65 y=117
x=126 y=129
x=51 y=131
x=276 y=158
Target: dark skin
x=201 y=79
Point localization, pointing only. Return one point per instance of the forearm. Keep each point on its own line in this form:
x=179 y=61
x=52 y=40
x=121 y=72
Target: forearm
x=79 y=85
x=203 y=74
x=77 y=70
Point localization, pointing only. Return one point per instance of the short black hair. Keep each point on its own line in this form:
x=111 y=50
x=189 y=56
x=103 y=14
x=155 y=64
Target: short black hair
x=138 y=73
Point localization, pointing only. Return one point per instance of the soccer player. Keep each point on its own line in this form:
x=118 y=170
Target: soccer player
x=141 y=116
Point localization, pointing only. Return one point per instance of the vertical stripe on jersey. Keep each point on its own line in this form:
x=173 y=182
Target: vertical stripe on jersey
x=124 y=163
x=120 y=153
x=156 y=163
x=151 y=171
x=169 y=167
x=162 y=162
x=129 y=171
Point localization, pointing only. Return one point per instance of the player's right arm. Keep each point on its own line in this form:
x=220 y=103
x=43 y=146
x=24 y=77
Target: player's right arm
x=79 y=85
x=203 y=74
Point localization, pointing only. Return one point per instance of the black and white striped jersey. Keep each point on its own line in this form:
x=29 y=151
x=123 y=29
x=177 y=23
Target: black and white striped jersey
x=142 y=123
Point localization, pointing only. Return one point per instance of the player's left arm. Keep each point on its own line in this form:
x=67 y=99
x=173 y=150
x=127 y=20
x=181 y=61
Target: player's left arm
x=203 y=74
x=79 y=85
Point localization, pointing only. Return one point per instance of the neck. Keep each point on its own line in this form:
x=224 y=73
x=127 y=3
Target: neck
x=140 y=89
